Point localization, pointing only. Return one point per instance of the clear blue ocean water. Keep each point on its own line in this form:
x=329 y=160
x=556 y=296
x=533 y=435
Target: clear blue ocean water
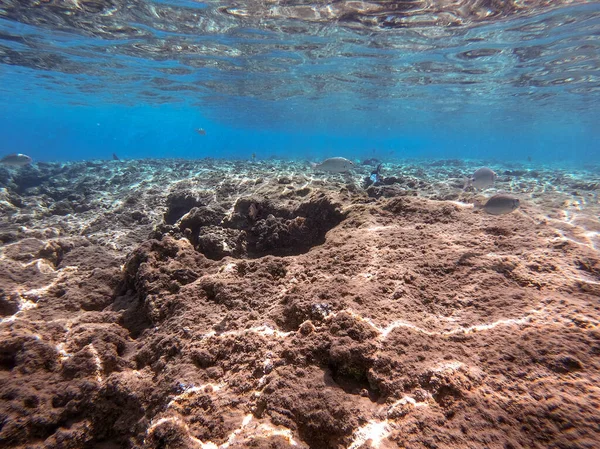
x=139 y=78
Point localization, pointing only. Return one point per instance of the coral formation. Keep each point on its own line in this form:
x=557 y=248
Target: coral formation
x=239 y=311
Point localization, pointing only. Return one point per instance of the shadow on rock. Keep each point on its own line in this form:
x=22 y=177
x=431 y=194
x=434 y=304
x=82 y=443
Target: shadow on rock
x=256 y=227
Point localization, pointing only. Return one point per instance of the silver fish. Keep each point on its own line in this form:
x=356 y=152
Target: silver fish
x=482 y=178
x=500 y=204
x=334 y=165
x=16 y=160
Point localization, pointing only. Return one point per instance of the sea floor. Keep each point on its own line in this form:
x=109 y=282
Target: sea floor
x=210 y=303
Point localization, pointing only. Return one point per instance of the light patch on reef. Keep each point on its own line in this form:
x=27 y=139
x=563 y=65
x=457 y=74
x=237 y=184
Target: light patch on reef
x=390 y=327
x=461 y=204
x=379 y=228
x=62 y=352
x=24 y=305
x=264 y=330
x=190 y=391
x=484 y=327
x=374 y=432
x=229 y=268
x=405 y=401
x=247 y=419
x=181 y=423
x=269 y=331
x=578 y=233
x=285 y=433
x=563 y=237
x=448 y=366
x=28 y=299
x=62 y=273
x=248 y=430
x=27 y=304
x=385 y=331
x=97 y=362
x=41 y=265
x=251 y=429
x=267 y=363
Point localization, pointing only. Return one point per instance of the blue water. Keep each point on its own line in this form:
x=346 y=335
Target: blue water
x=513 y=89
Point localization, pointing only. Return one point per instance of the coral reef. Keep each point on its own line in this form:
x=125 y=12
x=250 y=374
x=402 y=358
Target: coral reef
x=152 y=304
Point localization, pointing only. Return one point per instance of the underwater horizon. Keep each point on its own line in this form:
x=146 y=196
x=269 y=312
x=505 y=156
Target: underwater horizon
x=500 y=81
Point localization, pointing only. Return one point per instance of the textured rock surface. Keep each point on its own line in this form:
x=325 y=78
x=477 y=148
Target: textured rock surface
x=238 y=311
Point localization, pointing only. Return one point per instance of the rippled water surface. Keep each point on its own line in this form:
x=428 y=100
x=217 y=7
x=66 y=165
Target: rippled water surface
x=500 y=73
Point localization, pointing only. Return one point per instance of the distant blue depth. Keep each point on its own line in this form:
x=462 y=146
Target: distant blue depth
x=59 y=133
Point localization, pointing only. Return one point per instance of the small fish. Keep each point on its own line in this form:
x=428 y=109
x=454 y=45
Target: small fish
x=482 y=178
x=334 y=165
x=16 y=160
x=376 y=175
x=115 y=157
x=499 y=204
x=201 y=131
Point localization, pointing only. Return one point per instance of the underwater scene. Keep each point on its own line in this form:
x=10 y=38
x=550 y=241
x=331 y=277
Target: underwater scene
x=299 y=224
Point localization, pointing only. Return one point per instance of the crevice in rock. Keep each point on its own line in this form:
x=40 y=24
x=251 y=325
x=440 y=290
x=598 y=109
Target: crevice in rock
x=134 y=317
x=353 y=379
x=258 y=227
x=180 y=202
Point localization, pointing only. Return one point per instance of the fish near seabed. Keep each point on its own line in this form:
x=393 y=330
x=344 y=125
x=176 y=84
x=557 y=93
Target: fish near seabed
x=376 y=177
x=334 y=165
x=482 y=178
x=16 y=160
x=499 y=204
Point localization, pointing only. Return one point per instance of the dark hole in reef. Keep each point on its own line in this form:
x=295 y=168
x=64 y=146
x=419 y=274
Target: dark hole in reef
x=258 y=228
x=7 y=361
x=134 y=317
x=9 y=304
x=39 y=429
x=9 y=348
x=297 y=312
x=353 y=380
x=180 y=203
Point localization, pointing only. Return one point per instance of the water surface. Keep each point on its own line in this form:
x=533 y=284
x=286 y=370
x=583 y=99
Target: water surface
x=509 y=80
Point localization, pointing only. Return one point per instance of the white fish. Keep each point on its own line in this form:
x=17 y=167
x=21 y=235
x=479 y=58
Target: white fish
x=16 y=160
x=482 y=178
x=500 y=204
x=334 y=165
